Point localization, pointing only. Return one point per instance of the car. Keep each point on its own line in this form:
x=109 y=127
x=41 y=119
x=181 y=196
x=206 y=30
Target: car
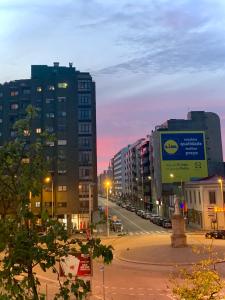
x=153 y=216
x=215 y=234
x=167 y=223
x=124 y=205
x=155 y=219
x=140 y=212
x=132 y=209
x=147 y=216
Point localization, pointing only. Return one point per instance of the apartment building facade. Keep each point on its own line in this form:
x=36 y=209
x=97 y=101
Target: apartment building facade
x=66 y=104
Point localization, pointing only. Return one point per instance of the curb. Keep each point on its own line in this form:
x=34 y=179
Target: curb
x=170 y=264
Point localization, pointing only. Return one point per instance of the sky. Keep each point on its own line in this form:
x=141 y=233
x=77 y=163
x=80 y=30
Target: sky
x=152 y=60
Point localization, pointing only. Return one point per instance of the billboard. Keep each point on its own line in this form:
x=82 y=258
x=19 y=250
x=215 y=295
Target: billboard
x=183 y=154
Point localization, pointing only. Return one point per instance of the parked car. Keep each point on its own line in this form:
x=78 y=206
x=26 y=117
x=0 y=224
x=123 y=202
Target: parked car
x=124 y=205
x=153 y=216
x=167 y=223
x=147 y=215
x=159 y=221
x=155 y=219
x=132 y=208
x=215 y=234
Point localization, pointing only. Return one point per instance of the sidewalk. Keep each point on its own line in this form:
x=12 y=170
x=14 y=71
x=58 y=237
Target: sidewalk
x=157 y=250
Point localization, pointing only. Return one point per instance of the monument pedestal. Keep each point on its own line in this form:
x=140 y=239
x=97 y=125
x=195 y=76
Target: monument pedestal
x=178 y=237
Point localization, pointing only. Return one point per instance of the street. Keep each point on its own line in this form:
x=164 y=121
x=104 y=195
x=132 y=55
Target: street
x=133 y=224
x=143 y=261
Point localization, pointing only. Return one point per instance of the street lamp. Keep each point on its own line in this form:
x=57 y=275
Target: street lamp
x=47 y=180
x=107 y=184
x=220 y=180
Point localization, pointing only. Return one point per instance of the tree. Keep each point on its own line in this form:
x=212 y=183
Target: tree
x=200 y=281
x=22 y=169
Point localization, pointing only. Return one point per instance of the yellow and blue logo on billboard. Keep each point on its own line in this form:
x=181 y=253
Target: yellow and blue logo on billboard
x=183 y=154
x=171 y=146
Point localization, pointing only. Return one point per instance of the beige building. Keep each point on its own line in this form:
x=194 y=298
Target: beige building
x=205 y=203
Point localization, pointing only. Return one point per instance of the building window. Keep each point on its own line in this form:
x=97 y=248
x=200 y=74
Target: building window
x=39 y=89
x=37 y=204
x=14 y=106
x=49 y=100
x=62 y=142
x=62 y=127
x=51 y=87
x=62 y=114
x=50 y=115
x=84 y=99
x=62 y=172
x=0 y=120
x=14 y=93
x=85 y=142
x=38 y=130
x=50 y=144
x=13 y=133
x=85 y=173
x=84 y=114
x=85 y=157
x=62 y=204
x=84 y=85
x=199 y=197
x=212 y=197
x=62 y=188
x=26 y=132
x=48 y=204
x=49 y=129
x=61 y=154
x=62 y=85
x=26 y=91
x=1 y=107
x=1 y=94
x=84 y=128
x=61 y=99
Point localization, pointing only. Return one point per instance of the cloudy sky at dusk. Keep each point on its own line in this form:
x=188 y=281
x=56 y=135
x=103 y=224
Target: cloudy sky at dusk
x=152 y=60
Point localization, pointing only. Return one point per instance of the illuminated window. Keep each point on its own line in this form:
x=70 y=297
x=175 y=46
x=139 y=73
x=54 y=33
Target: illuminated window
x=14 y=106
x=51 y=88
x=62 y=188
x=25 y=160
x=37 y=204
x=26 y=132
x=38 y=130
x=14 y=93
x=62 y=85
x=62 y=142
x=39 y=89
x=62 y=172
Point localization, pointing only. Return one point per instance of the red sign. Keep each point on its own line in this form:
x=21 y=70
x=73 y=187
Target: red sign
x=79 y=265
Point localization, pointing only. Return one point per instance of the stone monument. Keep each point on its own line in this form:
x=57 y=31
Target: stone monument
x=178 y=237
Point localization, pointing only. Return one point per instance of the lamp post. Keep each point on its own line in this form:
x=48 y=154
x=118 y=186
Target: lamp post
x=47 y=180
x=220 y=180
x=107 y=206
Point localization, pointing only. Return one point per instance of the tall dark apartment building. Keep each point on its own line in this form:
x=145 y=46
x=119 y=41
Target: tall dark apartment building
x=65 y=99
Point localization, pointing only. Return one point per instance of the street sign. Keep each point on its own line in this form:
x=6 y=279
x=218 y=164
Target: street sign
x=79 y=265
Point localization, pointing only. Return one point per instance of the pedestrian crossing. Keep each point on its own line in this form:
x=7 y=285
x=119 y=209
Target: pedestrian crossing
x=148 y=232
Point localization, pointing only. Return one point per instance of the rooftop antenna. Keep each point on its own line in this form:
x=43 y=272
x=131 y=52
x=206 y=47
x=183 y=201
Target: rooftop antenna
x=70 y=64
